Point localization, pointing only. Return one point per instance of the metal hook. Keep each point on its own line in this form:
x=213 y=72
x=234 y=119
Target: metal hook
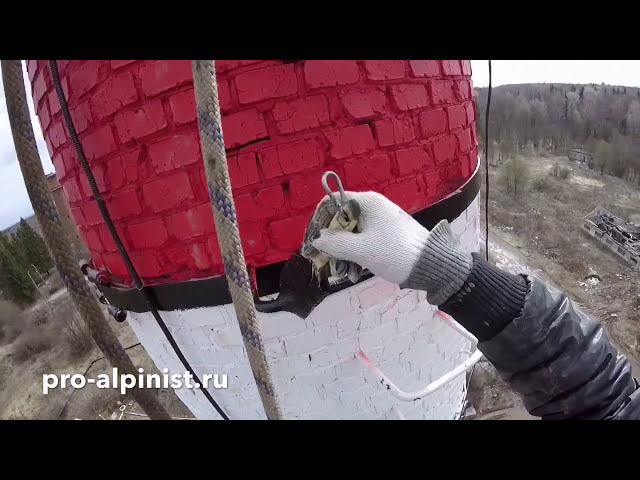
x=327 y=188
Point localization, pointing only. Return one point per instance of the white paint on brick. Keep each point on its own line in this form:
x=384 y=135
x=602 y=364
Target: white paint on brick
x=313 y=359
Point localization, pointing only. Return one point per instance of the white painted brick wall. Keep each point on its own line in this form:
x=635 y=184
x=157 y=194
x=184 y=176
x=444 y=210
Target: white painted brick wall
x=313 y=359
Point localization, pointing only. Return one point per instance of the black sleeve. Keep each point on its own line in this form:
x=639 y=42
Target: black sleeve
x=557 y=358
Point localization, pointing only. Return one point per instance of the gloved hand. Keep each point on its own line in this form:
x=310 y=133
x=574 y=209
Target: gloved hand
x=394 y=246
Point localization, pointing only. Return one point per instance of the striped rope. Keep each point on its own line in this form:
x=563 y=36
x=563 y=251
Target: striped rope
x=215 y=161
x=56 y=239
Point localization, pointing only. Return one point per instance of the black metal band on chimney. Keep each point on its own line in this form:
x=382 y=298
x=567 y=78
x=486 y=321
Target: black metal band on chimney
x=147 y=295
x=214 y=291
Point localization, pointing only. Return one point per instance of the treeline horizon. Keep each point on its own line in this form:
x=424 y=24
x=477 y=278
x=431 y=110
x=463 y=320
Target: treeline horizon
x=555 y=117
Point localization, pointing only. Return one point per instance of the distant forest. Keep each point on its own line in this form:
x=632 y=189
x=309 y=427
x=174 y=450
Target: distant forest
x=603 y=119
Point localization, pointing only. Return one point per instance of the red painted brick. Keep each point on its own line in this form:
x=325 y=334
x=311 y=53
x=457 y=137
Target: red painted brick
x=406 y=194
x=84 y=77
x=269 y=163
x=115 y=265
x=433 y=122
x=167 y=192
x=413 y=159
x=367 y=170
x=92 y=240
x=58 y=165
x=54 y=103
x=120 y=63
x=473 y=160
x=97 y=262
x=123 y=204
x=123 y=169
x=470 y=113
x=78 y=216
x=44 y=117
x=274 y=235
x=99 y=143
x=147 y=264
x=442 y=92
x=466 y=67
x=57 y=134
x=444 y=148
x=425 y=68
x=349 y=141
x=305 y=191
x=183 y=107
x=191 y=223
x=474 y=137
x=430 y=184
x=328 y=73
x=457 y=116
x=266 y=83
x=463 y=90
x=107 y=240
x=464 y=140
x=288 y=233
x=175 y=151
x=265 y=204
x=243 y=170
x=301 y=114
x=451 y=67
x=224 y=96
x=135 y=124
x=161 y=75
x=213 y=249
x=394 y=131
x=253 y=238
x=363 y=103
x=409 y=96
x=92 y=213
x=148 y=234
x=298 y=156
x=70 y=158
x=113 y=94
x=226 y=65
x=243 y=127
x=193 y=256
x=384 y=69
x=71 y=190
x=99 y=174
x=81 y=114
x=39 y=88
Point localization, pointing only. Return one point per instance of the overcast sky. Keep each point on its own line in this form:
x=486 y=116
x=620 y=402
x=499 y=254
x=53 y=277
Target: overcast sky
x=612 y=72
x=14 y=201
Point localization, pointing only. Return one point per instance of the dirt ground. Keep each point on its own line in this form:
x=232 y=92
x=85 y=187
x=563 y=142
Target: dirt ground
x=21 y=379
x=542 y=229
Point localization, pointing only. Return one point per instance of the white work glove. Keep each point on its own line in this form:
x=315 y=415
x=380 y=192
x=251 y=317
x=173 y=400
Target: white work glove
x=394 y=246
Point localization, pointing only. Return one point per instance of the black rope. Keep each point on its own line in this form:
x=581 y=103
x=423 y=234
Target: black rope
x=486 y=170
x=152 y=302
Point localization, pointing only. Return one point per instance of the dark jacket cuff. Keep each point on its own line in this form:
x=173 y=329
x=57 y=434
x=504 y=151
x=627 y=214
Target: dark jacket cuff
x=488 y=300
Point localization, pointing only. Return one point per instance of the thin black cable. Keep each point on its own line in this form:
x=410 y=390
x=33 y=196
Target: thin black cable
x=486 y=170
x=150 y=299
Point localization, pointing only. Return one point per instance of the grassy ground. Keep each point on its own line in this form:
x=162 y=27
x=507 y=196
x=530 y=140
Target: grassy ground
x=544 y=224
x=36 y=341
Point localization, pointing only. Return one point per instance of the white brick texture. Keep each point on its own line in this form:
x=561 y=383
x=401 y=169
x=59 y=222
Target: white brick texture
x=313 y=360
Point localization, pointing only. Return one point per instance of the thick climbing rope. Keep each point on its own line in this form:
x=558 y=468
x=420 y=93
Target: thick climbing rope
x=56 y=240
x=215 y=161
x=104 y=213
